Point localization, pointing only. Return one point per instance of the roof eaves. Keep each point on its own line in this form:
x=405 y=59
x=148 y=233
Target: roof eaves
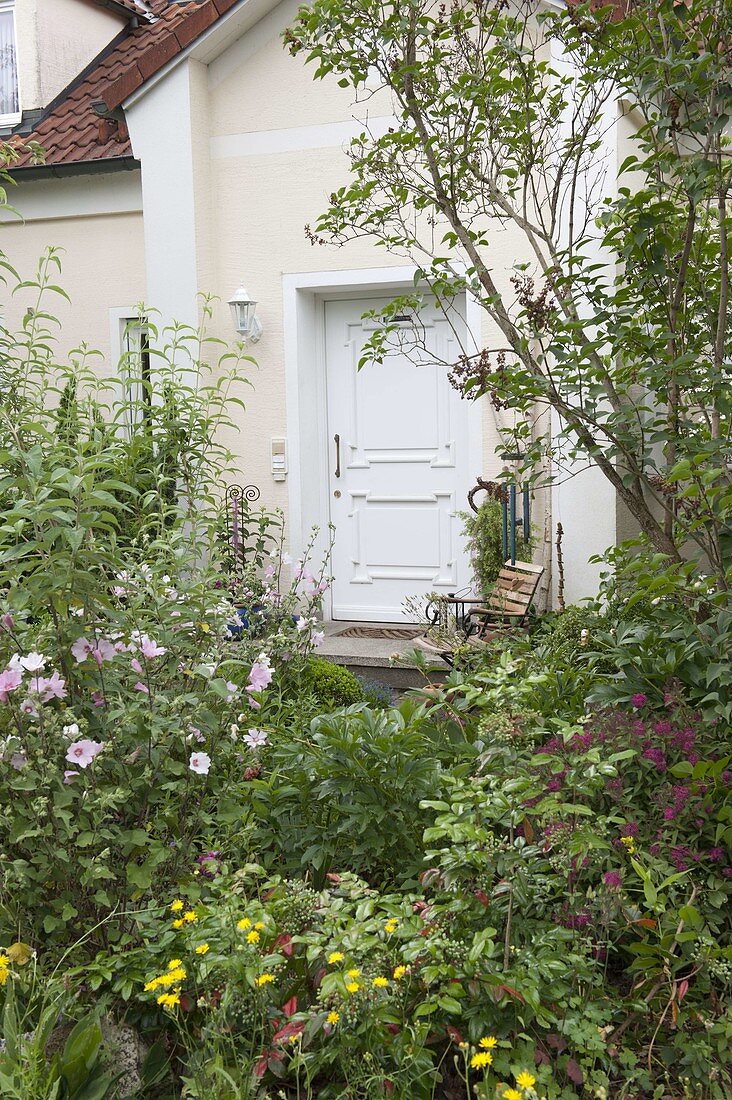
x=76 y=168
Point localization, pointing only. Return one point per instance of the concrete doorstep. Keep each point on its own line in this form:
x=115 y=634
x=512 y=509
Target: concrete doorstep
x=381 y=660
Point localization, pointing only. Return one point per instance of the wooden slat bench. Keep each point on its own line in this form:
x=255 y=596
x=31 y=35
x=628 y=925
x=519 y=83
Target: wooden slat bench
x=506 y=606
x=509 y=601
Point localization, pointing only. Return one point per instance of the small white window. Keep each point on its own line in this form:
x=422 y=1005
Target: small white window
x=9 y=95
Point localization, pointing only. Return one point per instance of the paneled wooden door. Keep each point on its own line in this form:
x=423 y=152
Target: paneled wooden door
x=398 y=467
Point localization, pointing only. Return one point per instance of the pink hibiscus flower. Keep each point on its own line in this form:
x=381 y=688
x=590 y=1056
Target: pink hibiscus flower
x=150 y=648
x=33 y=662
x=10 y=679
x=81 y=649
x=83 y=752
x=260 y=676
x=48 y=687
x=200 y=763
x=103 y=651
x=53 y=687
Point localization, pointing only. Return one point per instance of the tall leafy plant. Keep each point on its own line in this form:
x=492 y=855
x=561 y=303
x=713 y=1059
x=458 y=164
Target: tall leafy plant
x=126 y=707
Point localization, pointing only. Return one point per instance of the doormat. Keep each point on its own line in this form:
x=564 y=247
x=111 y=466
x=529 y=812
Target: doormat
x=393 y=633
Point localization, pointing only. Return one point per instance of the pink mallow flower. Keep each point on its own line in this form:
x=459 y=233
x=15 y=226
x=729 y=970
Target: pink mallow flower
x=151 y=649
x=260 y=675
x=200 y=763
x=100 y=649
x=81 y=649
x=33 y=662
x=10 y=679
x=255 y=739
x=69 y=776
x=48 y=687
x=83 y=752
x=103 y=651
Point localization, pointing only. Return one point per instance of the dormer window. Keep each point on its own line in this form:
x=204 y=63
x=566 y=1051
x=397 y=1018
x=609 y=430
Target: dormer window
x=9 y=98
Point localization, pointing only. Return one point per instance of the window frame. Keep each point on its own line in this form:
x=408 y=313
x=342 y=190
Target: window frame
x=121 y=320
x=14 y=117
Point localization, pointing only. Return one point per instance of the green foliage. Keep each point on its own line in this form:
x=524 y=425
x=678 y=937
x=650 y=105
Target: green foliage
x=668 y=632
x=35 y=1023
x=565 y=637
x=333 y=685
x=483 y=530
x=347 y=794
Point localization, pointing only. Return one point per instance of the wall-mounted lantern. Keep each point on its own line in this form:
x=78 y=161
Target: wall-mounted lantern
x=243 y=307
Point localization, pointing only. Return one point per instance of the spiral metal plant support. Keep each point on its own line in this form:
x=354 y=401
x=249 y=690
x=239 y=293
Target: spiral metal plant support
x=237 y=501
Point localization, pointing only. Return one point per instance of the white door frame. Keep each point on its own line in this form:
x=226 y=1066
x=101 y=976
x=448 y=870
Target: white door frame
x=305 y=382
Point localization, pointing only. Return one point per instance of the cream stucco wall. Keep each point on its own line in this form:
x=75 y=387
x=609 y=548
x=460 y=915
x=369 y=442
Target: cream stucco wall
x=101 y=253
x=56 y=40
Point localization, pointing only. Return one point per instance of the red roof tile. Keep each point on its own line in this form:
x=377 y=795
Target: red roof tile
x=72 y=131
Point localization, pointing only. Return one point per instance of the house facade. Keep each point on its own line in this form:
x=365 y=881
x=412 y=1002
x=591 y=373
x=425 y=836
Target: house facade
x=185 y=152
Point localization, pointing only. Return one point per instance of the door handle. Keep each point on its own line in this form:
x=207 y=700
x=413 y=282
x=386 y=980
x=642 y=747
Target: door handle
x=337 y=439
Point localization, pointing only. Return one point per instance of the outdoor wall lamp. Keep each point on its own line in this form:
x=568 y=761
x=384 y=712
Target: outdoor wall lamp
x=243 y=308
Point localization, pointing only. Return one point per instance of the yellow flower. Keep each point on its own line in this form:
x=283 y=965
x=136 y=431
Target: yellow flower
x=176 y=905
x=380 y=983
x=391 y=925
x=355 y=973
x=629 y=844
x=3 y=975
x=202 y=949
x=190 y=917
x=333 y=1018
x=335 y=957
x=488 y=1042
x=480 y=1061
x=169 y=1000
x=259 y=925
x=400 y=972
x=243 y=924
x=178 y=923
x=353 y=987
x=264 y=979
x=174 y=964
x=525 y=1080
x=4 y=961
x=511 y=1094
x=253 y=937
x=152 y=984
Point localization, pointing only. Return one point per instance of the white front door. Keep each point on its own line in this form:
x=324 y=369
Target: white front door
x=399 y=470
